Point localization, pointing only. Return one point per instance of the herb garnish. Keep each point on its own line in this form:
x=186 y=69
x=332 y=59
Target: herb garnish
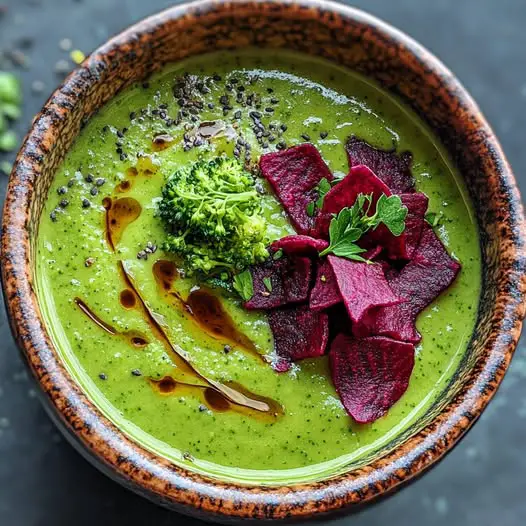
x=352 y=223
x=268 y=283
x=321 y=189
x=433 y=218
x=244 y=285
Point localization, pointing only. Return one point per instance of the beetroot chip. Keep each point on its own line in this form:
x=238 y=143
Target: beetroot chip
x=414 y=222
x=360 y=180
x=394 y=170
x=420 y=282
x=362 y=286
x=300 y=245
x=264 y=298
x=296 y=277
x=298 y=333
x=289 y=282
x=325 y=292
x=294 y=174
x=370 y=374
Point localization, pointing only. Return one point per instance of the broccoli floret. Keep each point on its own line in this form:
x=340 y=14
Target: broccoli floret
x=212 y=215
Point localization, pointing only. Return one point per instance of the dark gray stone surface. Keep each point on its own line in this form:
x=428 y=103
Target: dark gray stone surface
x=44 y=482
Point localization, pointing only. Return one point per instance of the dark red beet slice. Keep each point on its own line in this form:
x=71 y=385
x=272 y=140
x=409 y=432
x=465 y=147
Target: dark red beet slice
x=325 y=292
x=360 y=180
x=416 y=210
x=362 y=286
x=290 y=281
x=370 y=374
x=420 y=282
x=296 y=279
x=294 y=174
x=300 y=245
x=263 y=298
x=394 y=170
x=298 y=333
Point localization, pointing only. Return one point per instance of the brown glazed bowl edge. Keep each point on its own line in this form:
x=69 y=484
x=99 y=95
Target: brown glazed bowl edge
x=498 y=328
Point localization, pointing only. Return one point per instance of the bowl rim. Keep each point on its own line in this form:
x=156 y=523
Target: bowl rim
x=154 y=476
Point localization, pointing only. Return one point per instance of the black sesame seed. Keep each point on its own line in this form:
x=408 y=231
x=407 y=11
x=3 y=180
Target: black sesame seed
x=255 y=115
x=211 y=105
x=264 y=144
x=62 y=190
x=305 y=136
x=283 y=127
x=234 y=81
x=145 y=85
x=94 y=191
x=100 y=181
x=120 y=134
x=272 y=138
x=53 y=216
x=124 y=130
x=217 y=77
x=86 y=203
x=89 y=178
x=105 y=128
x=223 y=100
x=202 y=408
x=136 y=372
x=281 y=145
x=227 y=348
x=71 y=182
x=324 y=135
x=132 y=115
x=119 y=150
x=123 y=156
x=103 y=376
x=269 y=110
x=63 y=203
x=181 y=102
x=155 y=111
x=270 y=90
x=163 y=106
x=273 y=100
x=163 y=114
x=237 y=114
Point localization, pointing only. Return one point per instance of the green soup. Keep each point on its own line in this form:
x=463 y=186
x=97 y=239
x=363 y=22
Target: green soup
x=300 y=99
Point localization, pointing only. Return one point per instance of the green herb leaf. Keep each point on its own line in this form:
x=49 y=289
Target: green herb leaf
x=392 y=213
x=323 y=187
x=268 y=283
x=433 y=218
x=244 y=285
x=352 y=223
x=311 y=208
x=278 y=254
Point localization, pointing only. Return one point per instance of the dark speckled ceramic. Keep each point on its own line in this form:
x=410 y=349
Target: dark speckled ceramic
x=360 y=42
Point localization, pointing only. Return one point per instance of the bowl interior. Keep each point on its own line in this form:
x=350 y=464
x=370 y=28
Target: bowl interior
x=356 y=41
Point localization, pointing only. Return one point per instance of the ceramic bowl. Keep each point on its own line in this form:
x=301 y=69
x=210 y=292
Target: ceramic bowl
x=362 y=43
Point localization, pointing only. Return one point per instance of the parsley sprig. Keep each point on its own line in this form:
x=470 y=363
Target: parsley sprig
x=353 y=222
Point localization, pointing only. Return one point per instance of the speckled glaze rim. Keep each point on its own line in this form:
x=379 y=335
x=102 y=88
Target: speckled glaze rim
x=177 y=488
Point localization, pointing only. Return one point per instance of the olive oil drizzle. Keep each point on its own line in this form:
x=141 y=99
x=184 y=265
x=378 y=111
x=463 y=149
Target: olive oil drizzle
x=204 y=308
x=250 y=401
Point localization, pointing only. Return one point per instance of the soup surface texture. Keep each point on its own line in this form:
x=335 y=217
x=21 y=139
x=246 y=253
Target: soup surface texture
x=117 y=354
